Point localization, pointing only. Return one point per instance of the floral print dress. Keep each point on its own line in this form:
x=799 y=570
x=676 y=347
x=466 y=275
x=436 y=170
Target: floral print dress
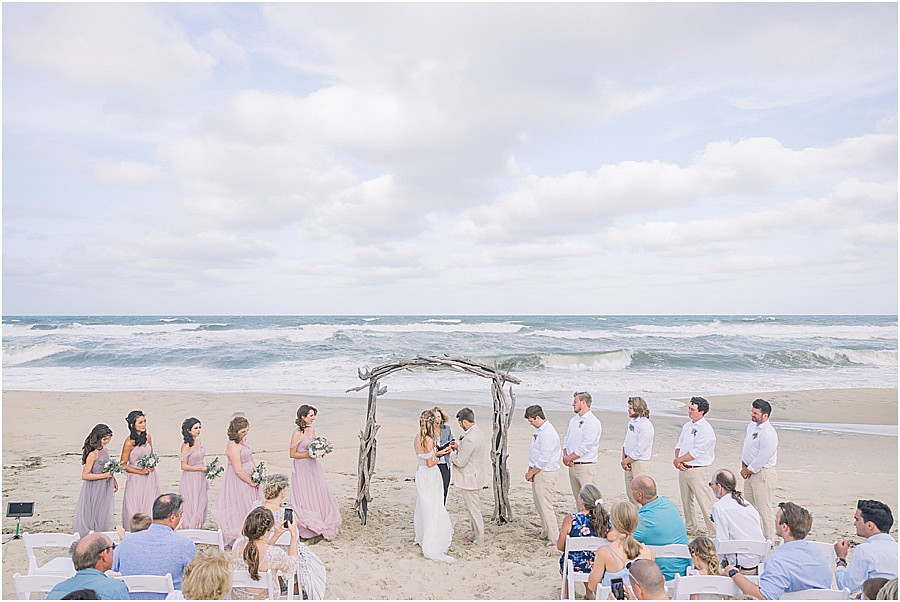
x=581 y=527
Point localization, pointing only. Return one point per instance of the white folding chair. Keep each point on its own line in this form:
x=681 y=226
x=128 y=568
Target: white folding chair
x=672 y=550
x=205 y=536
x=602 y=592
x=113 y=535
x=818 y=594
x=570 y=576
x=266 y=581
x=761 y=549
x=35 y=584
x=61 y=565
x=827 y=550
x=148 y=584
x=704 y=584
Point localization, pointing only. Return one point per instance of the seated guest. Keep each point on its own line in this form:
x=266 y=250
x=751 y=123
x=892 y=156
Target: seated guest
x=611 y=562
x=704 y=558
x=647 y=581
x=253 y=553
x=735 y=518
x=92 y=556
x=794 y=565
x=139 y=522
x=207 y=576
x=159 y=549
x=871 y=587
x=877 y=556
x=888 y=591
x=592 y=521
x=82 y=594
x=660 y=524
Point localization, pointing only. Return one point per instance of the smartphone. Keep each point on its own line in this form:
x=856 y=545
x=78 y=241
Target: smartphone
x=617 y=588
x=288 y=516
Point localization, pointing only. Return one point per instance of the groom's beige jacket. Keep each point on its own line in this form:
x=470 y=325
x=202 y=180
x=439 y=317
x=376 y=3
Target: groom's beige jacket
x=469 y=460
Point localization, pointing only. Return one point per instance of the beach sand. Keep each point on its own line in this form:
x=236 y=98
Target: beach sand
x=824 y=471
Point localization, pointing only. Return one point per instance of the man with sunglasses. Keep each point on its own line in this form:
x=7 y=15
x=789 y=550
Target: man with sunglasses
x=92 y=556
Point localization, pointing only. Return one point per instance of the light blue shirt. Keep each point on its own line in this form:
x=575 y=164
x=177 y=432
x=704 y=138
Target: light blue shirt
x=661 y=525
x=876 y=557
x=156 y=551
x=106 y=588
x=793 y=566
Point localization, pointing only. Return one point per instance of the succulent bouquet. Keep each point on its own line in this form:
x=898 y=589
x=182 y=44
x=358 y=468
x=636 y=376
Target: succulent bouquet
x=214 y=469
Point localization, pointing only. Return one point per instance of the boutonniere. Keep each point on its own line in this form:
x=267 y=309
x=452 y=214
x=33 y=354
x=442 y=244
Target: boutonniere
x=580 y=422
x=694 y=432
x=755 y=435
x=461 y=437
x=631 y=427
x=534 y=436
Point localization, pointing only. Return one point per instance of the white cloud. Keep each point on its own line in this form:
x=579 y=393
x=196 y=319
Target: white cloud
x=118 y=172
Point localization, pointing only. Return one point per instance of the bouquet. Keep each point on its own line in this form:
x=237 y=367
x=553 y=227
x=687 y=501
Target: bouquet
x=259 y=473
x=213 y=469
x=148 y=461
x=319 y=447
x=112 y=466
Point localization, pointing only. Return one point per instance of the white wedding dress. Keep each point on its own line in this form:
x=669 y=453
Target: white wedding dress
x=434 y=531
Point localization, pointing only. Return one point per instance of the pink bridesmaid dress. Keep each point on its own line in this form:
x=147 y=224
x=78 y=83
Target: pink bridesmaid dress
x=141 y=490
x=315 y=509
x=236 y=499
x=95 y=503
x=194 y=489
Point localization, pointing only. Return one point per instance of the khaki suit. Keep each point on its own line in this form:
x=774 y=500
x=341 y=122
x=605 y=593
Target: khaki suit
x=469 y=462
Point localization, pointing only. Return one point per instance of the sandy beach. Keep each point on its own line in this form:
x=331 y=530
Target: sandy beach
x=823 y=470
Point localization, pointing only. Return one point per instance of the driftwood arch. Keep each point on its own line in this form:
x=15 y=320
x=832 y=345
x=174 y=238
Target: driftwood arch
x=503 y=409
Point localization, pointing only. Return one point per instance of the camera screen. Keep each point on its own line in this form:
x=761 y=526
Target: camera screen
x=14 y=509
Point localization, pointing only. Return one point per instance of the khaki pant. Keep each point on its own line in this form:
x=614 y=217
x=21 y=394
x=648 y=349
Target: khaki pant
x=694 y=484
x=472 y=500
x=579 y=476
x=639 y=468
x=759 y=490
x=542 y=488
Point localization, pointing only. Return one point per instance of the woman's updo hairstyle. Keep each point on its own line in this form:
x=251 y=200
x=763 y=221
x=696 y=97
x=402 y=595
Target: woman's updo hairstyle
x=186 y=427
x=302 y=411
x=94 y=441
x=275 y=484
x=593 y=505
x=237 y=423
x=138 y=438
x=256 y=525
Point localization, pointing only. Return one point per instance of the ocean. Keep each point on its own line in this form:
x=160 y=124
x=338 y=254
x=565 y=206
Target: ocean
x=613 y=357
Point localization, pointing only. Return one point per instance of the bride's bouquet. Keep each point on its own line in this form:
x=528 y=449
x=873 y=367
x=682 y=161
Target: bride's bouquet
x=112 y=466
x=148 y=461
x=259 y=473
x=319 y=447
x=213 y=469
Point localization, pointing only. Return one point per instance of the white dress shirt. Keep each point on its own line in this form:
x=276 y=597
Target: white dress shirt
x=583 y=437
x=639 y=439
x=545 y=451
x=876 y=557
x=760 y=447
x=734 y=521
x=699 y=440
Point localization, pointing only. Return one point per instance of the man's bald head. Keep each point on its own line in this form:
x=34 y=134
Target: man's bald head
x=90 y=550
x=643 y=488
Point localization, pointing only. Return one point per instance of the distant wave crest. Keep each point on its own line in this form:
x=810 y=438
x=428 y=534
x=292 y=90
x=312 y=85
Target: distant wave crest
x=16 y=356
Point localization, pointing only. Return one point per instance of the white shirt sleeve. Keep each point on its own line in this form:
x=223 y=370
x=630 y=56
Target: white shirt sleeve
x=643 y=445
x=768 y=447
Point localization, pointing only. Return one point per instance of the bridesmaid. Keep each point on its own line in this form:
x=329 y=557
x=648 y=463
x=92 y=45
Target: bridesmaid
x=95 y=503
x=194 y=487
x=239 y=492
x=141 y=484
x=315 y=509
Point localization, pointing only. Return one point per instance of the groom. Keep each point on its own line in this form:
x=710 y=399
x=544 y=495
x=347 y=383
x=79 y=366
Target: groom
x=468 y=457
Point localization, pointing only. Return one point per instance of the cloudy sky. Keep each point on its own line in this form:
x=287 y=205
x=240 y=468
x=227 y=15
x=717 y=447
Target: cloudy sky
x=449 y=158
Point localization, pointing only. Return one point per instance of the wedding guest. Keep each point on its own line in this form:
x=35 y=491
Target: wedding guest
x=239 y=492
x=543 y=464
x=581 y=445
x=704 y=558
x=638 y=445
x=159 y=549
x=694 y=453
x=445 y=436
x=194 y=487
x=611 y=562
x=875 y=557
x=253 y=553
x=735 y=518
x=871 y=587
x=888 y=591
x=207 y=576
x=93 y=511
x=592 y=521
x=82 y=594
x=647 y=582
x=660 y=524
x=92 y=556
x=141 y=484
x=315 y=508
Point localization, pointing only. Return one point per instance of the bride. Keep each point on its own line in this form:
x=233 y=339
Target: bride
x=431 y=519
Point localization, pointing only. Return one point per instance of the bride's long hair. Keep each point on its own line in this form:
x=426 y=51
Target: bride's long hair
x=426 y=426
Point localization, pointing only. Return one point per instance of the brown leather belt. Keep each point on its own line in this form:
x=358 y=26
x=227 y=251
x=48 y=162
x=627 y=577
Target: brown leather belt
x=583 y=462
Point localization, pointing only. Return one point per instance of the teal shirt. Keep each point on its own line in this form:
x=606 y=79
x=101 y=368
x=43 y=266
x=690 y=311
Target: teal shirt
x=661 y=525
x=106 y=588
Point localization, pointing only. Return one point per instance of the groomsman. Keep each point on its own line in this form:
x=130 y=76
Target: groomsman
x=758 y=460
x=543 y=464
x=638 y=446
x=694 y=453
x=582 y=444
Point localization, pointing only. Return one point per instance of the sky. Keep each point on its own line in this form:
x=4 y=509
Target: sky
x=458 y=158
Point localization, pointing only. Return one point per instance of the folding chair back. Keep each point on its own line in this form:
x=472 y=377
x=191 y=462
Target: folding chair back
x=818 y=594
x=672 y=550
x=35 y=584
x=148 y=584
x=570 y=576
x=56 y=566
x=704 y=584
x=266 y=581
x=205 y=536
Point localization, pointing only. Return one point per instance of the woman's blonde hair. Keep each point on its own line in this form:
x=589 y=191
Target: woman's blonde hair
x=207 y=576
x=237 y=423
x=704 y=549
x=275 y=484
x=259 y=522
x=438 y=411
x=426 y=426
x=625 y=521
